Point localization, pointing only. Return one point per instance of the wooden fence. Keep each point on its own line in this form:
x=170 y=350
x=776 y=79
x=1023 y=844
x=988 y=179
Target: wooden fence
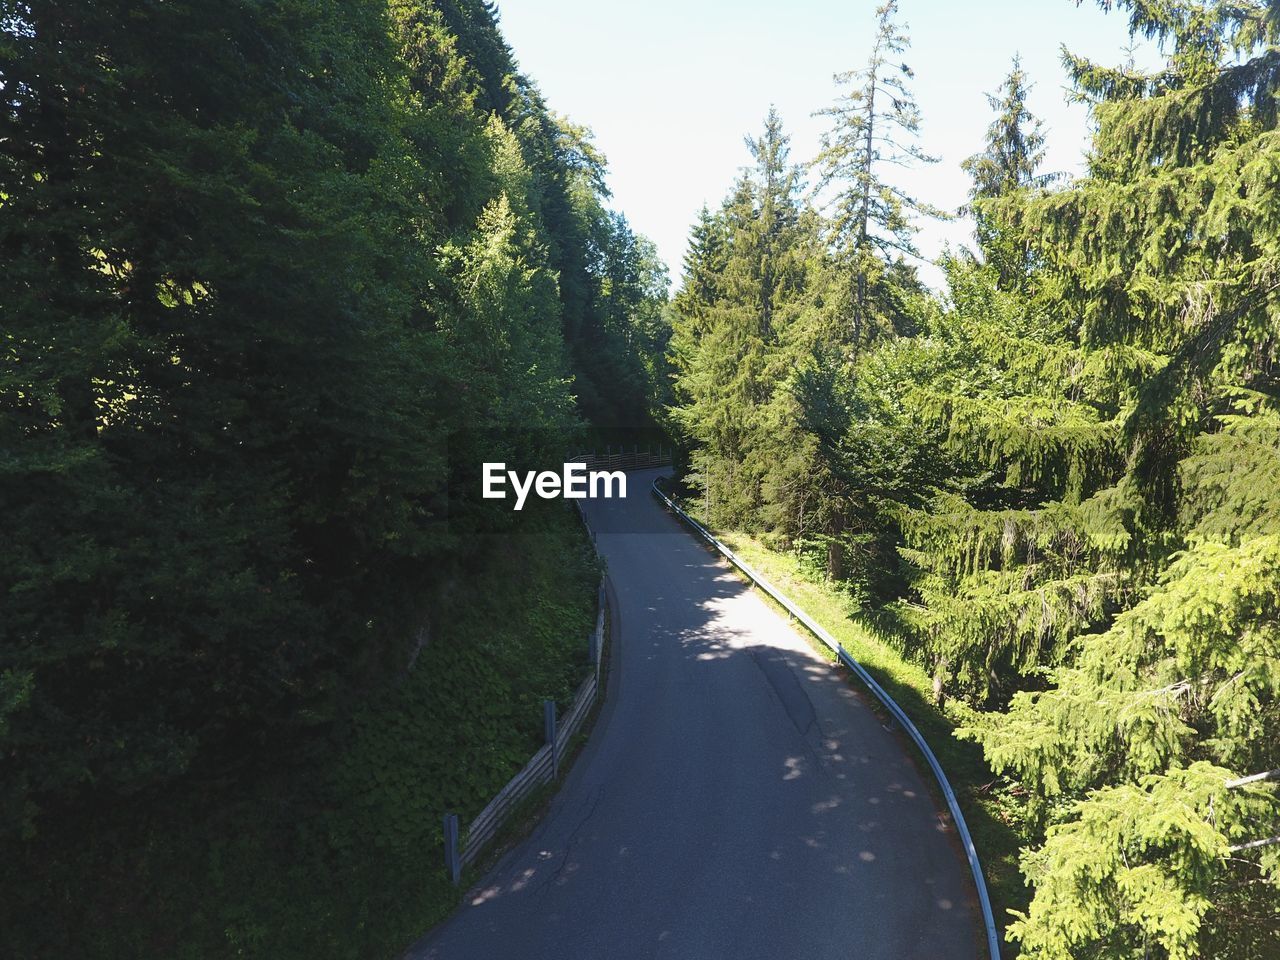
x=463 y=850
x=624 y=458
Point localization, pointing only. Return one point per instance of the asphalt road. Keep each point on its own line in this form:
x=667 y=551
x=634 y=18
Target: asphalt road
x=737 y=798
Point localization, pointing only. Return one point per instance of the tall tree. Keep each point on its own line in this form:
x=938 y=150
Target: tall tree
x=727 y=334
x=1169 y=246
x=1009 y=161
x=875 y=124
x=1023 y=548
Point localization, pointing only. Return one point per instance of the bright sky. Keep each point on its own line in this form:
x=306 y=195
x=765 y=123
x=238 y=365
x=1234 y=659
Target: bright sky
x=671 y=87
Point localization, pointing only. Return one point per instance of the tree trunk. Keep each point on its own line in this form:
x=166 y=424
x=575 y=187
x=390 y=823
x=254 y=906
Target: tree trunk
x=939 y=681
x=835 y=559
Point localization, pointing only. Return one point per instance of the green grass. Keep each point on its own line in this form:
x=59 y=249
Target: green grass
x=991 y=814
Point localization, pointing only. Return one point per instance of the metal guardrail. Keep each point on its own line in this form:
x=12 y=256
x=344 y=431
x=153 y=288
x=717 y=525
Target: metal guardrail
x=975 y=867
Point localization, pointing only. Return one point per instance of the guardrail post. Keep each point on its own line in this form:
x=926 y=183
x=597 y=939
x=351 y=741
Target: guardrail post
x=549 y=729
x=452 y=855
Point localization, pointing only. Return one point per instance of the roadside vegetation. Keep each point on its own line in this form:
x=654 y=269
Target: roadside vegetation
x=336 y=851
x=1043 y=503
x=993 y=815
x=275 y=280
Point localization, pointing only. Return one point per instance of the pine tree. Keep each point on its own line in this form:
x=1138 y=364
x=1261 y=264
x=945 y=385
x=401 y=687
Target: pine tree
x=1169 y=247
x=1026 y=544
x=1012 y=155
x=875 y=123
x=727 y=334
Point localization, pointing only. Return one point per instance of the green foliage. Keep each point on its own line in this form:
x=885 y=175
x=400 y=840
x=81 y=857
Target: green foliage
x=1126 y=875
x=871 y=228
x=1060 y=485
x=1014 y=150
x=776 y=308
x=1027 y=539
x=744 y=302
x=338 y=854
x=1161 y=699
x=276 y=278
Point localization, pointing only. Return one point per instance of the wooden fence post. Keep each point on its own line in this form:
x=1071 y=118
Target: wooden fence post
x=452 y=855
x=597 y=638
x=549 y=729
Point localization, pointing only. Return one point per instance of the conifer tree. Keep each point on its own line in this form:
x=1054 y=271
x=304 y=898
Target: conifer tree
x=728 y=332
x=875 y=123
x=1025 y=546
x=1169 y=247
x=1009 y=161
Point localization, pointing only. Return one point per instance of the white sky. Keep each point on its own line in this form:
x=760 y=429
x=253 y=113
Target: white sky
x=671 y=87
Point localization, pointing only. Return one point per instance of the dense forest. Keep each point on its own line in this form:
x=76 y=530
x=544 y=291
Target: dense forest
x=1057 y=482
x=276 y=278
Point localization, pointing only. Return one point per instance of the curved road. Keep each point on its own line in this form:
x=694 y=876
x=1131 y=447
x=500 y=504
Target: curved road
x=737 y=799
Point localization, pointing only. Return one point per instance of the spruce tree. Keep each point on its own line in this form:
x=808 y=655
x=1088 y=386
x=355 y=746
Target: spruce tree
x=875 y=123
x=1024 y=546
x=728 y=334
x=1168 y=247
x=1009 y=161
